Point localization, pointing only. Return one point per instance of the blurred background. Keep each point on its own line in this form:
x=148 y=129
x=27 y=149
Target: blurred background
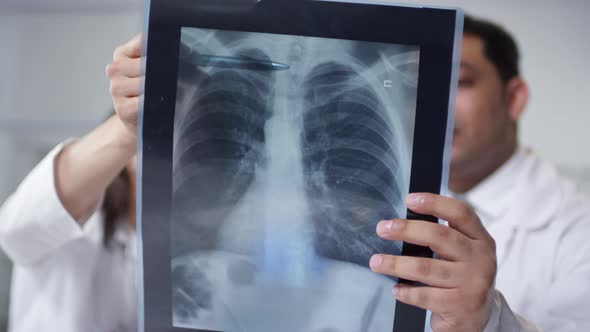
x=53 y=55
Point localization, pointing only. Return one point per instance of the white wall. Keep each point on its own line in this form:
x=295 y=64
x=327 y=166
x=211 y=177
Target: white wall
x=53 y=72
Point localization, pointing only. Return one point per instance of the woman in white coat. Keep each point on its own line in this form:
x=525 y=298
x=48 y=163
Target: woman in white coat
x=73 y=248
x=69 y=227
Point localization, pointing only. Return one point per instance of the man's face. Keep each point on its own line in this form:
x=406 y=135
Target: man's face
x=482 y=118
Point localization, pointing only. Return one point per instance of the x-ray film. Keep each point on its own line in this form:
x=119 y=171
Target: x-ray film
x=275 y=136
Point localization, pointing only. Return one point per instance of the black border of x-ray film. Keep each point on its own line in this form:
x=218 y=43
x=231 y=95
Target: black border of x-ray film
x=435 y=31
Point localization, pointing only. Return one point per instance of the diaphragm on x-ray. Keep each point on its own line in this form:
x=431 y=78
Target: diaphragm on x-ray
x=287 y=151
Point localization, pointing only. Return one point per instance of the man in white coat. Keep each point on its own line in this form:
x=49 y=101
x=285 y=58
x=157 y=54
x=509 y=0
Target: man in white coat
x=538 y=219
x=515 y=254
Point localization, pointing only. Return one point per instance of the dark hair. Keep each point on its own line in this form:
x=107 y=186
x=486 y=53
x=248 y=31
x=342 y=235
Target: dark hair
x=499 y=45
x=115 y=205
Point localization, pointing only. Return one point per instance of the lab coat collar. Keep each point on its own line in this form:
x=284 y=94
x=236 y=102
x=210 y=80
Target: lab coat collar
x=525 y=180
x=492 y=197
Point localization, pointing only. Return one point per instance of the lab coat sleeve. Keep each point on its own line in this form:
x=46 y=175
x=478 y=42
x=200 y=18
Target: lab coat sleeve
x=502 y=319
x=565 y=305
x=33 y=221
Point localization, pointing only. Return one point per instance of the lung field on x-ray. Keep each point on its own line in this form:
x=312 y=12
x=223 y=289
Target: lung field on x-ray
x=286 y=166
x=351 y=163
x=219 y=144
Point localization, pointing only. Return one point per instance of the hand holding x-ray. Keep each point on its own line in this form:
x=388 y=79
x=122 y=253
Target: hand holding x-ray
x=459 y=287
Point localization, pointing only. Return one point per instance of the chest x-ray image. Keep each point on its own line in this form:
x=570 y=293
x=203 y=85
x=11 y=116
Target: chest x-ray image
x=287 y=151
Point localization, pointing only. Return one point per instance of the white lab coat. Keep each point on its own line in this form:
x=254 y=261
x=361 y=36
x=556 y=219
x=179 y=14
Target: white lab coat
x=541 y=226
x=65 y=280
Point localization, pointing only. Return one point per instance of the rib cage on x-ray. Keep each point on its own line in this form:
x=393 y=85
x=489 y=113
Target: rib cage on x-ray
x=353 y=136
x=351 y=162
x=218 y=145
